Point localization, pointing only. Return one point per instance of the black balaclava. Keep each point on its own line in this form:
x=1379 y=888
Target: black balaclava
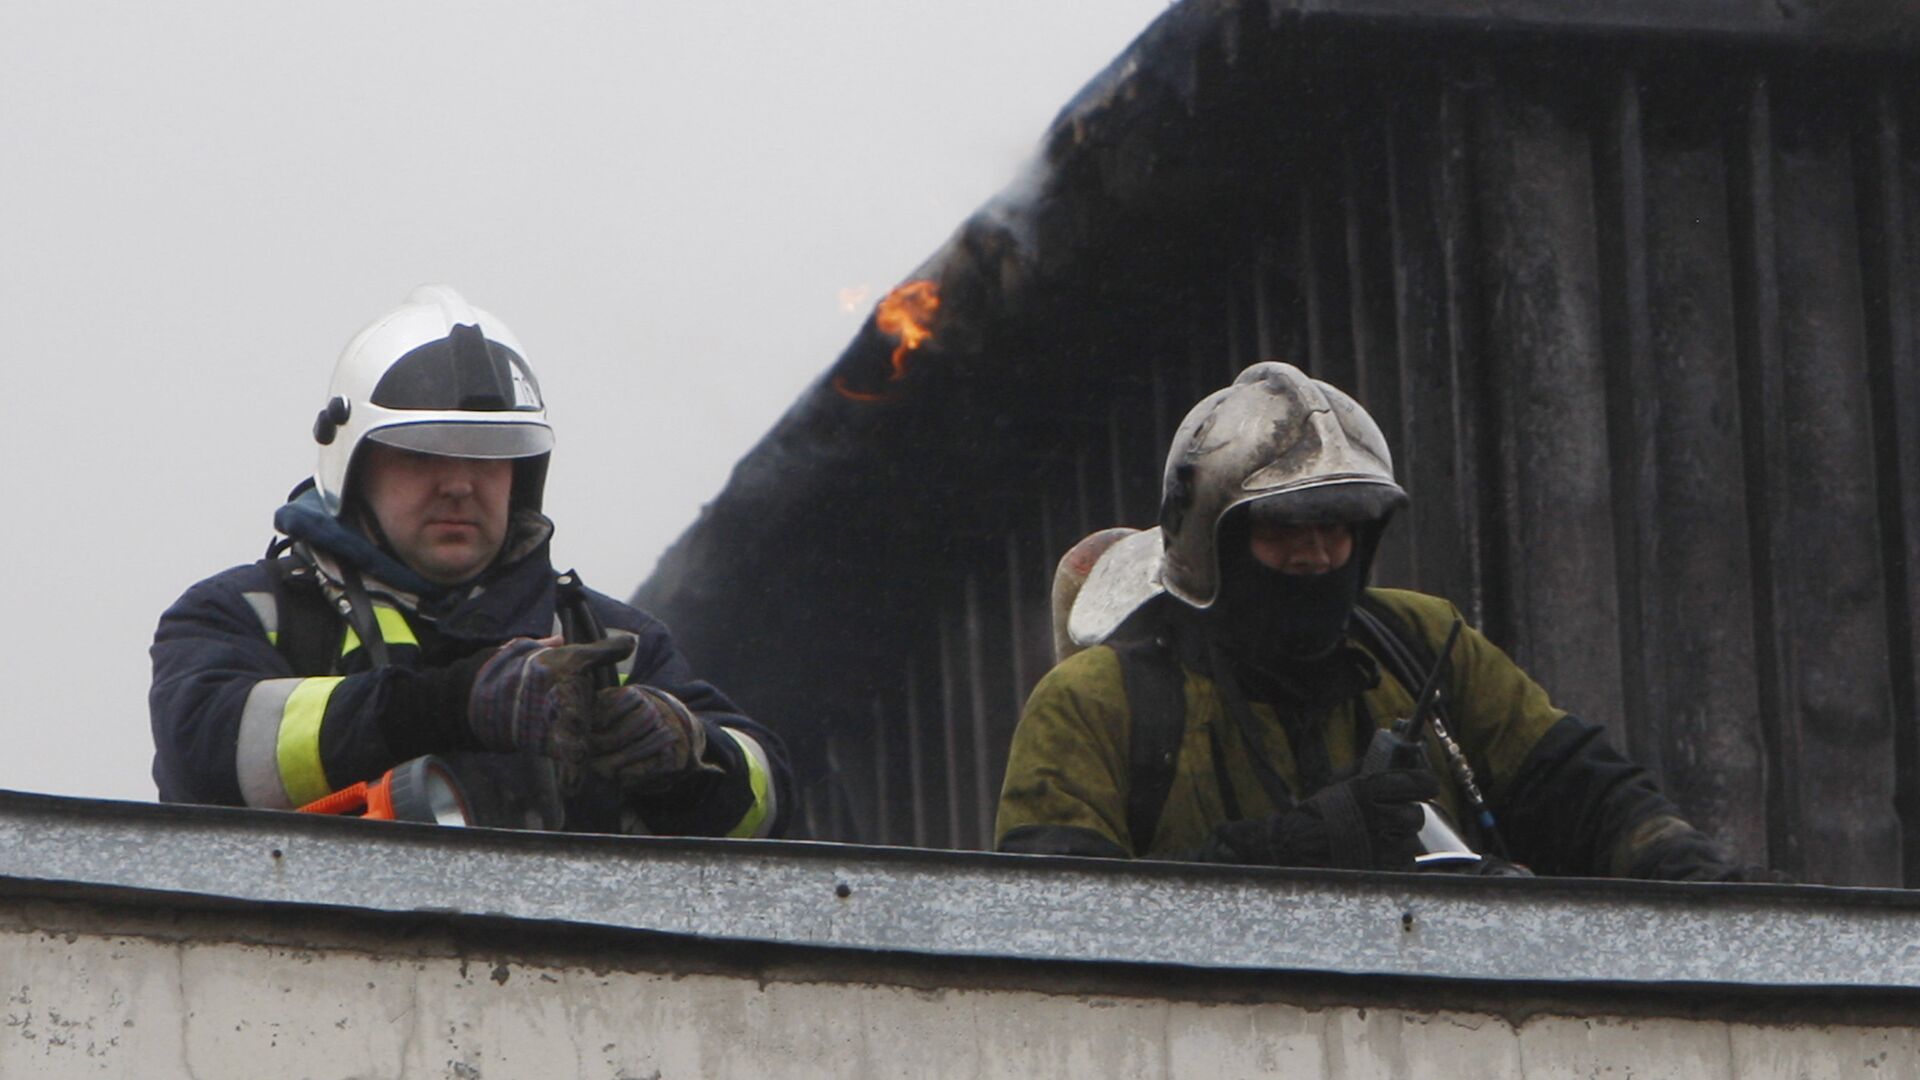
x=1272 y=619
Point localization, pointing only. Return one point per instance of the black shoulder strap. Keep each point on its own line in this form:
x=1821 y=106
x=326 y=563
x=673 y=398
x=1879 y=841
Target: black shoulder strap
x=1157 y=704
x=310 y=629
x=1408 y=655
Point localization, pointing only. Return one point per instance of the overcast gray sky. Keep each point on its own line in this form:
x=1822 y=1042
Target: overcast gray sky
x=665 y=201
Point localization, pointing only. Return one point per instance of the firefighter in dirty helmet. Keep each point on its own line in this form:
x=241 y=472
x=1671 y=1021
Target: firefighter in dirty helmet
x=1241 y=672
x=410 y=609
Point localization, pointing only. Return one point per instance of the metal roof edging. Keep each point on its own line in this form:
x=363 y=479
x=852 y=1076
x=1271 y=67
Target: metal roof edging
x=896 y=900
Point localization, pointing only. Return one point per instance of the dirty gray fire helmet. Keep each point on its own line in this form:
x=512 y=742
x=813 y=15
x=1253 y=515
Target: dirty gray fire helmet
x=1300 y=449
x=437 y=376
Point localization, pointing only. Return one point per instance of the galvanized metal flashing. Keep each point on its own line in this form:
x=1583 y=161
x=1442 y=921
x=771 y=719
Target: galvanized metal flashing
x=901 y=901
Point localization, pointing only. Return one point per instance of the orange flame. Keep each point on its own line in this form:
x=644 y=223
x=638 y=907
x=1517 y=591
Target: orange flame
x=906 y=314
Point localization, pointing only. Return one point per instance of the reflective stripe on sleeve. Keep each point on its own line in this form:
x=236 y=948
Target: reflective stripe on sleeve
x=257 y=756
x=393 y=627
x=298 y=747
x=277 y=757
x=267 y=610
x=759 y=817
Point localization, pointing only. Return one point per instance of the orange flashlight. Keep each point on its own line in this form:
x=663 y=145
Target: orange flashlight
x=422 y=790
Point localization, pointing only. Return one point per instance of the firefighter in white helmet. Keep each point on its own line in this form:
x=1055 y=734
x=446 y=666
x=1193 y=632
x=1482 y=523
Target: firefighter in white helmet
x=410 y=609
x=1241 y=695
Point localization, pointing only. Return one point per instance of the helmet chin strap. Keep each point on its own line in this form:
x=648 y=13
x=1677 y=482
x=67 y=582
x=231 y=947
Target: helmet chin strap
x=362 y=517
x=359 y=515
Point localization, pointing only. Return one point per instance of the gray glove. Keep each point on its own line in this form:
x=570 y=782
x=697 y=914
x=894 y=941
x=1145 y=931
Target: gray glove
x=538 y=698
x=645 y=740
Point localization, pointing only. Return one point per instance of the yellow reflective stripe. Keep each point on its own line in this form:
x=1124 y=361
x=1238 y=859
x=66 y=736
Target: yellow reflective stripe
x=298 y=747
x=393 y=627
x=759 y=817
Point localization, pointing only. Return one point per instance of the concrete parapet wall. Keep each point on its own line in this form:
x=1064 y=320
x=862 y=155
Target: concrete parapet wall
x=99 y=1004
x=162 y=942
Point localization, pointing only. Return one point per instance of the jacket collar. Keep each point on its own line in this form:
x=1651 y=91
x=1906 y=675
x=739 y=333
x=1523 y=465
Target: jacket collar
x=514 y=597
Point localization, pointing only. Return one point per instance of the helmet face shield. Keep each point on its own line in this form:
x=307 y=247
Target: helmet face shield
x=1349 y=502
x=463 y=439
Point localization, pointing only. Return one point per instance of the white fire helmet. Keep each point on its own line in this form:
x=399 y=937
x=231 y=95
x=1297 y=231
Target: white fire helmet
x=438 y=376
x=1300 y=448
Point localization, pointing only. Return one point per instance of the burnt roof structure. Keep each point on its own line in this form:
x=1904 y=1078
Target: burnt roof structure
x=1630 y=288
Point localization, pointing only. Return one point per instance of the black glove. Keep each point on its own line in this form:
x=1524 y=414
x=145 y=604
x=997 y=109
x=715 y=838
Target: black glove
x=644 y=739
x=1687 y=854
x=539 y=699
x=1369 y=822
x=1755 y=874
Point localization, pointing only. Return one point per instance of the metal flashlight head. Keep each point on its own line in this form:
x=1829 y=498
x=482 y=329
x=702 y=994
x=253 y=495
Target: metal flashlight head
x=422 y=790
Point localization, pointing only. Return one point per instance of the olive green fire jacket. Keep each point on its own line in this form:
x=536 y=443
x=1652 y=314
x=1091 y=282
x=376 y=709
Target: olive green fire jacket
x=1566 y=801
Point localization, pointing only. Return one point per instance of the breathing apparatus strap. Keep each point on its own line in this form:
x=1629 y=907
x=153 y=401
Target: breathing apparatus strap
x=309 y=626
x=1157 y=706
x=361 y=615
x=1408 y=656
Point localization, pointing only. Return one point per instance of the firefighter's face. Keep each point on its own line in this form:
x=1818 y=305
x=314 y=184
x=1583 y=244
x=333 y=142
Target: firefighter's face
x=445 y=517
x=1302 y=549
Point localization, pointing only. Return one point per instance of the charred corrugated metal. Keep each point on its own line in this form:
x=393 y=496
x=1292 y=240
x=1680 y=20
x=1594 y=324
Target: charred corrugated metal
x=1630 y=288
